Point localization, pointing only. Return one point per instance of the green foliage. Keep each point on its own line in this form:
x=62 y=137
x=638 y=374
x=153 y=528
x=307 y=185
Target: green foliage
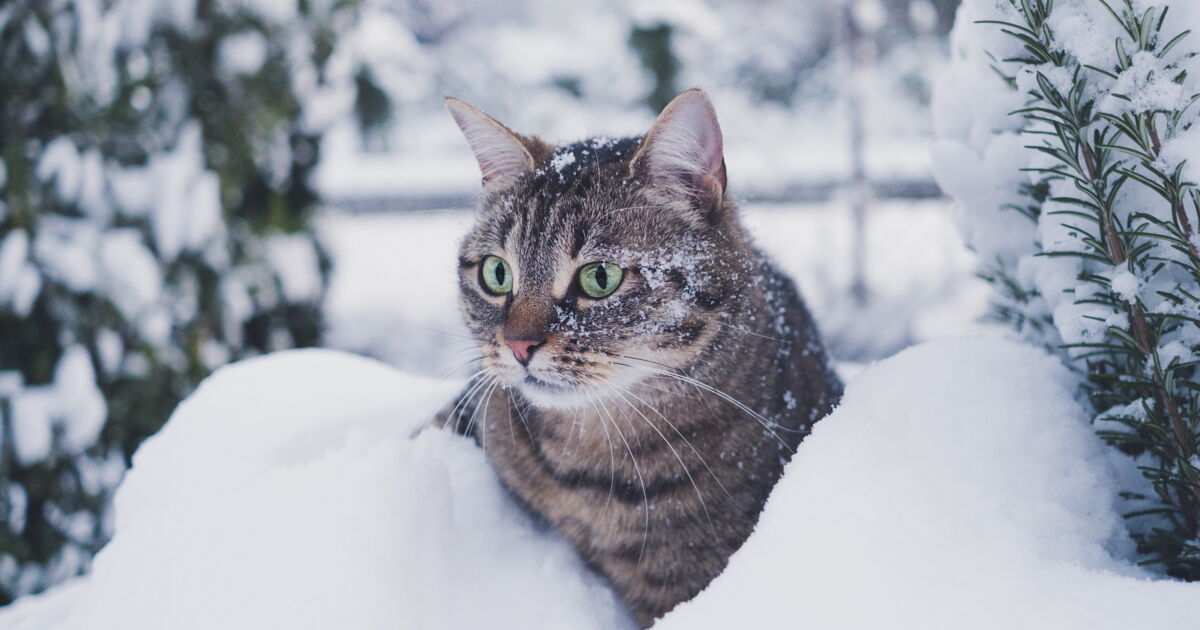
x=1135 y=218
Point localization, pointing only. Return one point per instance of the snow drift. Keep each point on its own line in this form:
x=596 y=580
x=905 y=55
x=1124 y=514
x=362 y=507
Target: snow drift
x=289 y=492
x=958 y=485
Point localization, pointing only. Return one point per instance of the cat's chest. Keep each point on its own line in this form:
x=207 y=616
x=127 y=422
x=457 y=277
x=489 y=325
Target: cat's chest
x=605 y=476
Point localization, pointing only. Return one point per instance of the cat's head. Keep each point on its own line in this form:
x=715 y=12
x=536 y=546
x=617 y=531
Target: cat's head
x=592 y=265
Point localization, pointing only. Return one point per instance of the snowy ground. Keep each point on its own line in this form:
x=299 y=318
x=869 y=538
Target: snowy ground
x=959 y=485
x=393 y=293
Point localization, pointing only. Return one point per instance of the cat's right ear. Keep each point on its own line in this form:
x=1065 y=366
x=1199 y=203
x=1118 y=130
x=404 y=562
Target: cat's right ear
x=684 y=148
x=501 y=153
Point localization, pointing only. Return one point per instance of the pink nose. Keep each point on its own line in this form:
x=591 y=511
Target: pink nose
x=523 y=348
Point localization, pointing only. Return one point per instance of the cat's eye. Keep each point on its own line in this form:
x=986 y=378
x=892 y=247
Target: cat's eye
x=599 y=280
x=495 y=275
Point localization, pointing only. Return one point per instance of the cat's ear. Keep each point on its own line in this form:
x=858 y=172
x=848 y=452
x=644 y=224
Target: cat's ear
x=684 y=147
x=501 y=152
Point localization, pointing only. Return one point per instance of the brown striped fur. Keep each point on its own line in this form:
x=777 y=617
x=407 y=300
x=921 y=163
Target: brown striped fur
x=612 y=433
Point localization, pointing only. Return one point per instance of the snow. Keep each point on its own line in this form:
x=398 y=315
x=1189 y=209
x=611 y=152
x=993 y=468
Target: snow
x=132 y=277
x=1125 y=284
x=66 y=250
x=567 y=71
x=326 y=512
x=983 y=160
x=958 y=485
x=71 y=406
x=243 y=53
x=295 y=260
x=19 y=280
x=80 y=402
x=60 y=163
x=31 y=425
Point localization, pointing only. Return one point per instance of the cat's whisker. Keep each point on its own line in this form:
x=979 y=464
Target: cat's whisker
x=678 y=458
x=487 y=400
x=571 y=433
x=661 y=390
x=446 y=420
x=460 y=334
x=767 y=424
x=464 y=402
x=749 y=332
x=512 y=433
x=466 y=344
x=520 y=414
x=681 y=436
x=446 y=371
x=641 y=480
x=491 y=382
x=612 y=466
x=626 y=208
x=699 y=384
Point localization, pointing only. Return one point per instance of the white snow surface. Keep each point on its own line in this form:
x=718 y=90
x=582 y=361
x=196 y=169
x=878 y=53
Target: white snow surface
x=325 y=512
x=958 y=485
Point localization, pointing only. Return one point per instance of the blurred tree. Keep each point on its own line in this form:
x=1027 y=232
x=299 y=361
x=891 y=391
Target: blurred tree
x=653 y=46
x=155 y=223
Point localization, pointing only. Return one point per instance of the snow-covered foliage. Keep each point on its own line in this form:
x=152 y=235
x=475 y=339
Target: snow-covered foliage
x=958 y=485
x=154 y=209
x=1068 y=134
x=566 y=70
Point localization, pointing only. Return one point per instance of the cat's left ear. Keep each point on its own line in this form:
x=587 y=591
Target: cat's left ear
x=684 y=148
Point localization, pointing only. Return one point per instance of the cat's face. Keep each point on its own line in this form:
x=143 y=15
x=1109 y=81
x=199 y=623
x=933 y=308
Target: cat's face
x=588 y=270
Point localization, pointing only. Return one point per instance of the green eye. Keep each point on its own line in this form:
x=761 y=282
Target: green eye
x=599 y=280
x=495 y=276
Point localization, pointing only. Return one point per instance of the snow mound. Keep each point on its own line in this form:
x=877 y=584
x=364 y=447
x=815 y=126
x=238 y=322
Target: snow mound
x=289 y=492
x=957 y=486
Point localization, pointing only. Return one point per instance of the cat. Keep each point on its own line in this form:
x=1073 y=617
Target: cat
x=646 y=371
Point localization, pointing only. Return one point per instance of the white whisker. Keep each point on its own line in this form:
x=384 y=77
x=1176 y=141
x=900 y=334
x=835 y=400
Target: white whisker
x=641 y=480
x=678 y=458
x=767 y=424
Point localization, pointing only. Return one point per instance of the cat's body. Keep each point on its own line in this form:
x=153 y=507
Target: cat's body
x=647 y=424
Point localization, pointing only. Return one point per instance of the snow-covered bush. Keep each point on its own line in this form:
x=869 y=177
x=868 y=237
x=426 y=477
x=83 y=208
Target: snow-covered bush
x=154 y=211
x=565 y=70
x=1069 y=136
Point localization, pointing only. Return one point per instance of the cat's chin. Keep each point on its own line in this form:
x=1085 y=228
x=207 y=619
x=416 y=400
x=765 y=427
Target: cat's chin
x=550 y=396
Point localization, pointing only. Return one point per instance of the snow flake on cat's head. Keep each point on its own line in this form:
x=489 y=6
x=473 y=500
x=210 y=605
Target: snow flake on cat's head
x=690 y=259
x=561 y=160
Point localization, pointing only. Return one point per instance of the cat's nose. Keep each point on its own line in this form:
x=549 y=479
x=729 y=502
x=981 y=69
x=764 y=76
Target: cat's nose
x=523 y=348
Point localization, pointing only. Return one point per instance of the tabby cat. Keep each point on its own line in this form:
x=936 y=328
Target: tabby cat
x=646 y=372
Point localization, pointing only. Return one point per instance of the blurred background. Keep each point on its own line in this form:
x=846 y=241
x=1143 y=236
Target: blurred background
x=186 y=183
